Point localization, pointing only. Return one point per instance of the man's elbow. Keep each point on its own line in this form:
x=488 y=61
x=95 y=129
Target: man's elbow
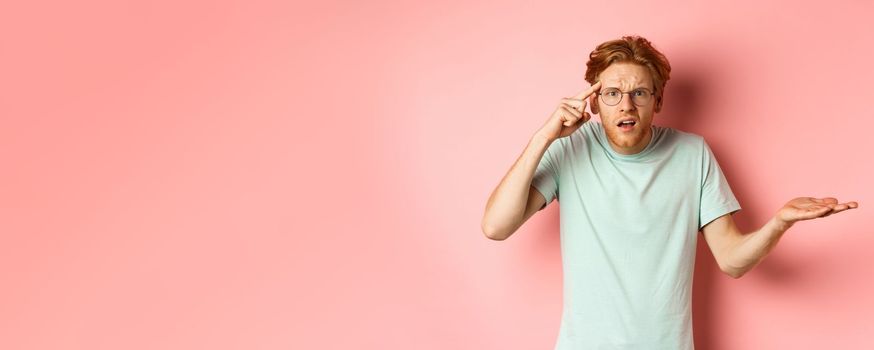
x=494 y=233
x=733 y=272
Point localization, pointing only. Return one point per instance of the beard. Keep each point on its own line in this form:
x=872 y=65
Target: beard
x=627 y=139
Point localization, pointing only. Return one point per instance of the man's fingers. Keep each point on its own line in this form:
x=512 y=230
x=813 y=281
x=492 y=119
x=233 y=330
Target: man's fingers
x=837 y=208
x=844 y=206
x=568 y=117
x=833 y=202
x=573 y=111
x=576 y=104
x=585 y=93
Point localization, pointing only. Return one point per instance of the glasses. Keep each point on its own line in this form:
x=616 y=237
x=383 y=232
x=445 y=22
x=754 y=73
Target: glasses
x=613 y=96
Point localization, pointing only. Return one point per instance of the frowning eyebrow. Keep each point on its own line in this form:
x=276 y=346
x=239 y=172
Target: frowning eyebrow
x=637 y=87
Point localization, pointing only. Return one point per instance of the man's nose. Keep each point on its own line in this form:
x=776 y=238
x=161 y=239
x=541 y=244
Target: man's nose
x=626 y=104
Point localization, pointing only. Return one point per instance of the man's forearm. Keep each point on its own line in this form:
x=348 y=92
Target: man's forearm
x=751 y=248
x=505 y=208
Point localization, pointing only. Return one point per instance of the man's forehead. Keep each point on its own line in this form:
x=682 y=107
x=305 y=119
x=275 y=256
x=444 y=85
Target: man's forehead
x=619 y=75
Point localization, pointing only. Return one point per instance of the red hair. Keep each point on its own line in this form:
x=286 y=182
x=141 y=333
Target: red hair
x=631 y=49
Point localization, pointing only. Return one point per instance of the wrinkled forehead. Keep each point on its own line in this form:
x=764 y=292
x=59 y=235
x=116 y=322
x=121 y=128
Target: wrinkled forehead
x=625 y=76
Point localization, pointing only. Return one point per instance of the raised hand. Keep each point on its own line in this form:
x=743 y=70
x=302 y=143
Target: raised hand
x=806 y=208
x=569 y=115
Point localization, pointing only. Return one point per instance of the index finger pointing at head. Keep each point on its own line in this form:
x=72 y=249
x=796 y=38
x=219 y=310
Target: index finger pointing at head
x=587 y=92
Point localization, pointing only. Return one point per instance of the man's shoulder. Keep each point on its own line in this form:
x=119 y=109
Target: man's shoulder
x=680 y=138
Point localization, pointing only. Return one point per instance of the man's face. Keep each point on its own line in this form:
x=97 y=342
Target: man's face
x=626 y=77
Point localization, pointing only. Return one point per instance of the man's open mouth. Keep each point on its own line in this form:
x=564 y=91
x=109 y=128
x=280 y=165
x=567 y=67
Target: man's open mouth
x=626 y=125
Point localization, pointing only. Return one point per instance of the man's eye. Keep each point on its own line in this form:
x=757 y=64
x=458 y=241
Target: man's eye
x=612 y=93
x=639 y=92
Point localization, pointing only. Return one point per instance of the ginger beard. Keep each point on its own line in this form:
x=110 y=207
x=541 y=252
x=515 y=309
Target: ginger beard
x=629 y=137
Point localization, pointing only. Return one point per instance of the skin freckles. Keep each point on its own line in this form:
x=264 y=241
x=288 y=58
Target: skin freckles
x=626 y=77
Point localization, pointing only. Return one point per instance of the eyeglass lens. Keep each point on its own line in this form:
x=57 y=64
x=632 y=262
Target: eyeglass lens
x=613 y=96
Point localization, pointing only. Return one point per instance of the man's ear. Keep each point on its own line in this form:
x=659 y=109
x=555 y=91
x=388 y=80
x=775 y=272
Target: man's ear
x=658 y=106
x=593 y=104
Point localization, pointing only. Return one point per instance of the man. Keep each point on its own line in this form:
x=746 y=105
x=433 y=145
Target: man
x=633 y=198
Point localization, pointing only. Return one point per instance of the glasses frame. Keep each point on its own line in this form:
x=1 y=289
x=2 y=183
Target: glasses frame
x=622 y=95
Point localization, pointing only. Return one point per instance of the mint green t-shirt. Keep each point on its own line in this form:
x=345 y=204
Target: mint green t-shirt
x=629 y=229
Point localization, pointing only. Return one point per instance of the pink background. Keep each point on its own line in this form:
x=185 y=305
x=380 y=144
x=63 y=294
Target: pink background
x=266 y=175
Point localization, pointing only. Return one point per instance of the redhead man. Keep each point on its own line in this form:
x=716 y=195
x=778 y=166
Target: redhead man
x=633 y=198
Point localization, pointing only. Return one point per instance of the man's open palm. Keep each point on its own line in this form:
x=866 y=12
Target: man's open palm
x=806 y=208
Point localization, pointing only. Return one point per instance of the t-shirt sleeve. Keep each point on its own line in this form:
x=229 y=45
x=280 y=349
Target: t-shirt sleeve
x=546 y=176
x=717 y=198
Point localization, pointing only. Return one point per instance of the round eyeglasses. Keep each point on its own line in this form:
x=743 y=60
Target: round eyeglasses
x=612 y=96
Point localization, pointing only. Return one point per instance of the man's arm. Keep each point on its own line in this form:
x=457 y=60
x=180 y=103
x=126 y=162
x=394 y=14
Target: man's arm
x=515 y=200
x=736 y=253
